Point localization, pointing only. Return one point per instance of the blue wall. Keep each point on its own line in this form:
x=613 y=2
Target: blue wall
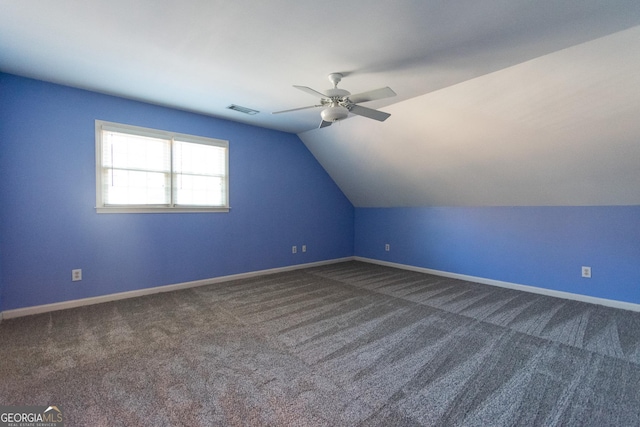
x=537 y=246
x=279 y=195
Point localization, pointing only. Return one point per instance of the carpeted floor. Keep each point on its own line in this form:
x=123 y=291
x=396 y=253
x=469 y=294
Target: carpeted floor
x=349 y=344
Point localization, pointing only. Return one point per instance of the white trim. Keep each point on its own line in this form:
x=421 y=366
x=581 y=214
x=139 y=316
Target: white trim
x=37 y=309
x=526 y=288
x=27 y=311
x=132 y=210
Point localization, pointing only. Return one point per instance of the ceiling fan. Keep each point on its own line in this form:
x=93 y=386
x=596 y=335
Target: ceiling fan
x=339 y=102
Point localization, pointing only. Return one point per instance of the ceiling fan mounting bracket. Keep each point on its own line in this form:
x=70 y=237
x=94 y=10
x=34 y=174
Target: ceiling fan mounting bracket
x=335 y=79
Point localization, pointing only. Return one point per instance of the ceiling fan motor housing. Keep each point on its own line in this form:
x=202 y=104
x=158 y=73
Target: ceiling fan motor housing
x=337 y=93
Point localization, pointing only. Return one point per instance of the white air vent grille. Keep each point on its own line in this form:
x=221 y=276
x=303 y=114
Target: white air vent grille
x=242 y=109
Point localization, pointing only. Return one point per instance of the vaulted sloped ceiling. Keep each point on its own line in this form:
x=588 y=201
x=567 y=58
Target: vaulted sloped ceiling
x=498 y=102
x=562 y=129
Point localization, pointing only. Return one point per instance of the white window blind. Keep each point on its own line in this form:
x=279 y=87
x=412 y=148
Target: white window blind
x=200 y=174
x=146 y=170
x=136 y=170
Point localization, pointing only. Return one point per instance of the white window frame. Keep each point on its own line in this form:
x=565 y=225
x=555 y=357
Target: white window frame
x=101 y=125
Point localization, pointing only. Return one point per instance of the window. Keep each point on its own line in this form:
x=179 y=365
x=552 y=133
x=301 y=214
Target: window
x=147 y=170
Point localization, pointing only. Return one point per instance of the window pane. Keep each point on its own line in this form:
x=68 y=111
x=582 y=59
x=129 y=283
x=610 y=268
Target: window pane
x=137 y=169
x=198 y=190
x=198 y=159
x=125 y=187
x=125 y=151
x=199 y=174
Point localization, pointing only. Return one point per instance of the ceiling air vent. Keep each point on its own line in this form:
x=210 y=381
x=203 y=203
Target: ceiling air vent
x=242 y=109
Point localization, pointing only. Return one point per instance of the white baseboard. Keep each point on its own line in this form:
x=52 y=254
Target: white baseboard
x=27 y=311
x=542 y=291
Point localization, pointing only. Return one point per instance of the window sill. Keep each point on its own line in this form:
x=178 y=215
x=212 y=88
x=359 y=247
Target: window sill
x=142 y=209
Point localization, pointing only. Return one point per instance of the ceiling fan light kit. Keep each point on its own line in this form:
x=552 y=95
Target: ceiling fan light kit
x=340 y=102
x=333 y=114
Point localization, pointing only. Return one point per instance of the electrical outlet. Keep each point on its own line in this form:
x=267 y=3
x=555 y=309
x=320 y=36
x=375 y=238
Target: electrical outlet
x=76 y=275
x=294 y=249
x=586 y=272
x=387 y=247
x=304 y=248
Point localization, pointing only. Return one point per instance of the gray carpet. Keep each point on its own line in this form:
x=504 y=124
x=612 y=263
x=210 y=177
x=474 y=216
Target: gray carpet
x=349 y=344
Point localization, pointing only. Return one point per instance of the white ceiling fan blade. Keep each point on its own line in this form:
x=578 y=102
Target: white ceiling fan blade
x=311 y=91
x=372 y=95
x=296 y=109
x=380 y=116
x=324 y=124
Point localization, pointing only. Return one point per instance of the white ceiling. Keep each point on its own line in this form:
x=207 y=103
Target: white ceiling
x=499 y=102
